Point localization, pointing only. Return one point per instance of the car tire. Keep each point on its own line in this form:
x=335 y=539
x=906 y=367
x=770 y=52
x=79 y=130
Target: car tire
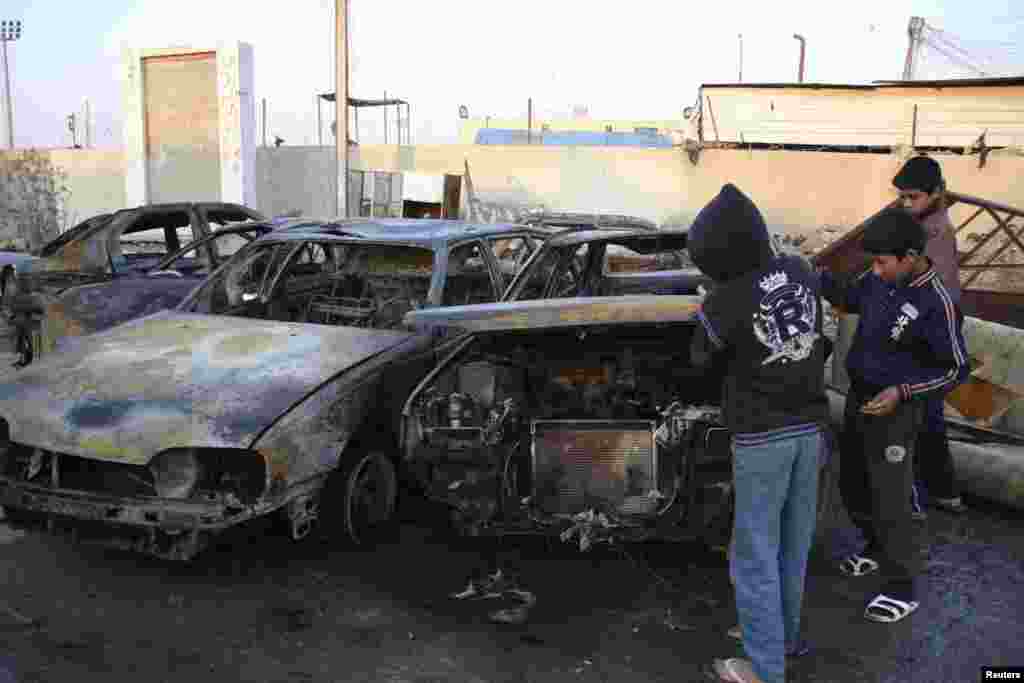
x=369 y=498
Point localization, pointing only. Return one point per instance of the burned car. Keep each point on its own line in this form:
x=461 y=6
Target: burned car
x=290 y=363
x=579 y=417
x=60 y=318
x=126 y=244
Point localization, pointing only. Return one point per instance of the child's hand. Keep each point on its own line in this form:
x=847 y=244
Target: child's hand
x=884 y=403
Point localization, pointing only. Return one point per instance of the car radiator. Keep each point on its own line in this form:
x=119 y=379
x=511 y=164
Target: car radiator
x=592 y=464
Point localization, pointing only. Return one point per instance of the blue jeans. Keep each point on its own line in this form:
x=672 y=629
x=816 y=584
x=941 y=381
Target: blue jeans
x=776 y=505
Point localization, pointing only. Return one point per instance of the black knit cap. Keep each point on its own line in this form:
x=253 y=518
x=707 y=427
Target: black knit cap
x=919 y=173
x=893 y=231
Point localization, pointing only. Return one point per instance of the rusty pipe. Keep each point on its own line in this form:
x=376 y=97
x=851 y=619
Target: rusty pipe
x=803 y=49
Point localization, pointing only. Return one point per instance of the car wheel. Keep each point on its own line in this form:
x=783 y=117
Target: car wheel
x=369 y=498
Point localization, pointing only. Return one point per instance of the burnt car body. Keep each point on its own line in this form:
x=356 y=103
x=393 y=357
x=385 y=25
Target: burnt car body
x=580 y=220
x=105 y=248
x=577 y=417
x=11 y=262
x=288 y=364
x=90 y=308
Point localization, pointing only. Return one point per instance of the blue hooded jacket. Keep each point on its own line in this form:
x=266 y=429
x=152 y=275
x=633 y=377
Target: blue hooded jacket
x=764 y=316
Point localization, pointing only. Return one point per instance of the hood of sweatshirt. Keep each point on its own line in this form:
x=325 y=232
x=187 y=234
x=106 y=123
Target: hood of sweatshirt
x=729 y=238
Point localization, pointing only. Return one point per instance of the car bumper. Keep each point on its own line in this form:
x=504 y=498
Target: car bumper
x=169 y=529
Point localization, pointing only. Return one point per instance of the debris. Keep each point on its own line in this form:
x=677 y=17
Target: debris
x=512 y=615
x=175 y=600
x=498 y=585
x=16 y=615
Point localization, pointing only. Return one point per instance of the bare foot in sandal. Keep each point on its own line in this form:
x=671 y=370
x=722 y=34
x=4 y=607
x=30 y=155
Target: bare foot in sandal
x=888 y=610
x=858 y=565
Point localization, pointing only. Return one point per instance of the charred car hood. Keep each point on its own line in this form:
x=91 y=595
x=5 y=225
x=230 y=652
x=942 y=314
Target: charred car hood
x=555 y=313
x=176 y=379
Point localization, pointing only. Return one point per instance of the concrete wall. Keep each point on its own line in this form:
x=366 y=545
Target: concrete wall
x=795 y=190
x=95 y=182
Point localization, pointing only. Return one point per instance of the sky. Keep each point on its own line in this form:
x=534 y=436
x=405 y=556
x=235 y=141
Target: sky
x=642 y=59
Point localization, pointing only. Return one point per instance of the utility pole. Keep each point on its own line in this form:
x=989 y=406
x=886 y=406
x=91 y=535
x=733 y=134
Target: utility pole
x=803 y=48
x=86 y=115
x=386 y=117
x=741 y=58
x=914 y=31
x=264 y=121
x=9 y=32
x=319 y=123
x=341 y=103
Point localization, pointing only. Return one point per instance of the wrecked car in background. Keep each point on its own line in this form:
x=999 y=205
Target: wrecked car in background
x=11 y=262
x=91 y=308
x=126 y=244
x=288 y=364
x=579 y=417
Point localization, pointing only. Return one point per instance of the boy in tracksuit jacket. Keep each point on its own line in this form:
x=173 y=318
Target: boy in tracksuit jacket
x=763 y=319
x=908 y=349
x=923 y=195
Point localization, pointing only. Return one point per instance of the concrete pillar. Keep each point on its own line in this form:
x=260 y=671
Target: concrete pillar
x=134 y=127
x=225 y=161
x=237 y=124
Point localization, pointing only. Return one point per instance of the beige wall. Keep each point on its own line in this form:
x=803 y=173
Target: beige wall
x=795 y=190
x=95 y=184
x=95 y=180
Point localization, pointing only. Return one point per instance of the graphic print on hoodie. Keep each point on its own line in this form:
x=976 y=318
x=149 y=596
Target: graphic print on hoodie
x=764 y=314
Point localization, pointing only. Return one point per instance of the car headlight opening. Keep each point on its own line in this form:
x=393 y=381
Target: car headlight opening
x=175 y=473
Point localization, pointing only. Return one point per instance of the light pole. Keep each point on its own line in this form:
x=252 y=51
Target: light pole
x=803 y=49
x=10 y=30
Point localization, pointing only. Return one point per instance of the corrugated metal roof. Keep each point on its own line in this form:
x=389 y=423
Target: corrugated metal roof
x=875 y=85
x=805 y=86
x=956 y=82
x=508 y=136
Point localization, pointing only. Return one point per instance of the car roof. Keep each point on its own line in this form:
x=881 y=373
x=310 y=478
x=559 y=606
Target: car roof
x=86 y=231
x=425 y=232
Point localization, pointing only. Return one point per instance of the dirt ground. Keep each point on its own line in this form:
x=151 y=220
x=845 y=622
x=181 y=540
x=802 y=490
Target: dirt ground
x=261 y=608
x=265 y=609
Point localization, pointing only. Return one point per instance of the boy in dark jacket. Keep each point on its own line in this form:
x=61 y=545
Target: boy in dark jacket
x=764 y=316
x=923 y=195
x=908 y=349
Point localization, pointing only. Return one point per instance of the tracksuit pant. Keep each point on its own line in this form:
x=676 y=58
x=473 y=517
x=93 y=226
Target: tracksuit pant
x=933 y=461
x=875 y=480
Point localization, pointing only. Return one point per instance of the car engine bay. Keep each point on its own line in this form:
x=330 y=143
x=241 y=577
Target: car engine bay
x=528 y=430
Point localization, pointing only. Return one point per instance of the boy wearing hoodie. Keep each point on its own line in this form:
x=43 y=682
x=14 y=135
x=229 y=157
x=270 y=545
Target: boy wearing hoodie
x=922 y=194
x=908 y=349
x=764 y=316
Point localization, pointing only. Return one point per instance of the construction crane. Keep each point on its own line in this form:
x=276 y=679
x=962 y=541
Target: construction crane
x=921 y=34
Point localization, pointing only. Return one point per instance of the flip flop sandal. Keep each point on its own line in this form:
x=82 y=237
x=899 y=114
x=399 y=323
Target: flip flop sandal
x=734 y=671
x=855 y=565
x=801 y=649
x=886 y=610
